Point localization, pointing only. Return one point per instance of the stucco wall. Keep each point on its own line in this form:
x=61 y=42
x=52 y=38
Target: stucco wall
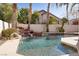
x=52 y=28
x=71 y=28
x=42 y=27
x=1 y=25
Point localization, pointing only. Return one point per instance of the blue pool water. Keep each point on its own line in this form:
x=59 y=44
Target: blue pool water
x=43 y=46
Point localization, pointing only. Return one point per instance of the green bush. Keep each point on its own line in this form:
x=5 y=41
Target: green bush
x=53 y=20
x=60 y=29
x=6 y=33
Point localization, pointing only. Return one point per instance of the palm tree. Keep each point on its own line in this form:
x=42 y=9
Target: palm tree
x=64 y=20
x=72 y=8
x=48 y=7
x=30 y=15
x=67 y=7
x=14 y=18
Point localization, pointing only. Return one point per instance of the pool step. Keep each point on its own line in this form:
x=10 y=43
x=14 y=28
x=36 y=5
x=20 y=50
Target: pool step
x=46 y=51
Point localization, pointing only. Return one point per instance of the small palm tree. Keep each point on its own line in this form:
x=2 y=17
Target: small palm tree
x=64 y=20
x=61 y=29
x=30 y=15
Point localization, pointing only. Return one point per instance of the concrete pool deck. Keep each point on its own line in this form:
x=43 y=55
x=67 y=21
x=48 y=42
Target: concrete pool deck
x=70 y=41
x=9 y=48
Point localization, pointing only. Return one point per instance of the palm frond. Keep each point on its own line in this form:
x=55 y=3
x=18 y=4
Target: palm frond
x=72 y=6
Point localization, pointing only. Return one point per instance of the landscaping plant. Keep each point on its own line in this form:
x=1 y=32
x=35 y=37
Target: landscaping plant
x=7 y=33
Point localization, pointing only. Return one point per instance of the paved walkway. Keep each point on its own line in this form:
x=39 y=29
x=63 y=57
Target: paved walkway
x=9 y=47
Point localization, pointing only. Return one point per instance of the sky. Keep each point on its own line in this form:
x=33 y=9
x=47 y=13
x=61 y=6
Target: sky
x=57 y=11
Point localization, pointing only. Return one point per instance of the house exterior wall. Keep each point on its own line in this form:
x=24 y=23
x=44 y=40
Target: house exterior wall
x=43 y=18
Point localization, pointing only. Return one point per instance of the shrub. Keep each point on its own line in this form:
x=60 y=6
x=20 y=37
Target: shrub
x=6 y=33
x=60 y=29
x=53 y=20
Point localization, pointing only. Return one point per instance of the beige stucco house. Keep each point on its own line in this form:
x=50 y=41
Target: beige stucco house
x=43 y=17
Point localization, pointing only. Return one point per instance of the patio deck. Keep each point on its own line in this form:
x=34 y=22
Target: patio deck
x=70 y=41
x=9 y=48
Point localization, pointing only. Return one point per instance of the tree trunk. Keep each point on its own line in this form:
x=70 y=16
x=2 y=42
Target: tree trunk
x=62 y=25
x=14 y=17
x=67 y=13
x=3 y=25
x=8 y=25
x=30 y=15
x=47 y=25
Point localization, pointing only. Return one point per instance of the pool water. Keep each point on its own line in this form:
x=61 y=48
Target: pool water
x=43 y=46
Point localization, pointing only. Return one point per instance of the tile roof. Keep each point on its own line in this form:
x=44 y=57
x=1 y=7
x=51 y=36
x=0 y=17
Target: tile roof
x=44 y=12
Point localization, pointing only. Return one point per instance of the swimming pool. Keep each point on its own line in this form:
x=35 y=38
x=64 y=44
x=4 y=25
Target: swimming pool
x=43 y=46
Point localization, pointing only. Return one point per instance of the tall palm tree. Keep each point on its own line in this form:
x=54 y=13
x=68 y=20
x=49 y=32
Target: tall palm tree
x=67 y=7
x=30 y=15
x=72 y=8
x=14 y=16
x=47 y=25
